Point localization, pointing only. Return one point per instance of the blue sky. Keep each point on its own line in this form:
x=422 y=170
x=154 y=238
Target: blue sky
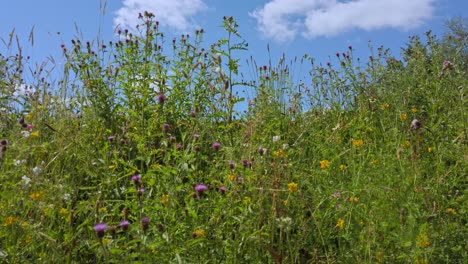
x=319 y=28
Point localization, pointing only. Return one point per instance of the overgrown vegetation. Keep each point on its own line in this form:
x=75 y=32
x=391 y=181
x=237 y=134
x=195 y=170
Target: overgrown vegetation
x=146 y=150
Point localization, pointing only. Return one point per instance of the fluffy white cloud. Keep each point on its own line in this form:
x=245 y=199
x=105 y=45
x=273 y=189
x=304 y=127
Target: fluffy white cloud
x=176 y=14
x=284 y=19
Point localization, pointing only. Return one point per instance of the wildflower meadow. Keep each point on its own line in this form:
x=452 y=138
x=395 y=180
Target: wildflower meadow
x=143 y=149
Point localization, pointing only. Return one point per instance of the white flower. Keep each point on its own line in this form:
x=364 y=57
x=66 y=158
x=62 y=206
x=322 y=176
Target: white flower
x=66 y=197
x=285 y=146
x=26 y=180
x=276 y=138
x=19 y=162
x=25 y=133
x=37 y=170
x=336 y=127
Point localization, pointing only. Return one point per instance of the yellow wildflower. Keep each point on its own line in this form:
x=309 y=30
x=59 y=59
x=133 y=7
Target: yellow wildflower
x=374 y=161
x=324 y=164
x=343 y=167
x=403 y=116
x=199 y=232
x=406 y=144
x=384 y=106
x=10 y=221
x=340 y=224
x=280 y=153
x=430 y=149
x=164 y=199
x=292 y=187
x=451 y=211
x=231 y=177
x=63 y=213
x=357 y=143
x=246 y=200
x=423 y=241
x=34 y=134
x=414 y=109
x=36 y=196
x=353 y=199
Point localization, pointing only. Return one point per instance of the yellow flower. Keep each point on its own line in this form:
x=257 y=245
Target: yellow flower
x=374 y=161
x=343 y=167
x=403 y=116
x=430 y=149
x=10 y=220
x=353 y=199
x=384 y=106
x=414 y=109
x=280 y=153
x=231 y=177
x=340 y=224
x=324 y=164
x=36 y=196
x=451 y=211
x=423 y=241
x=286 y=202
x=164 y=198
x=357 y=143
x=292 y=187
x=246 y=200
x=63 y=213
x=34 y=134
x=199 y=232
x=406 y=144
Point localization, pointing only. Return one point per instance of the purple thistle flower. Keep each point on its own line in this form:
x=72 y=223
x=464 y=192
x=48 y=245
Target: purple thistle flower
x=171 y=139
x=140 y=192
x=245 y=162
x=165 y=127
x=231 y=165
x=29 y=127
x=415 y=124
x=161 y=98
x=3 y=142
x=145 y=223
x=178 y=146
x=222 y=189
x=124 y=225
x=21 y=121
x=200 y=188
x=216 y=146
x=136 y=179
x=193 y=113
x=100 y=228
x=111 y=138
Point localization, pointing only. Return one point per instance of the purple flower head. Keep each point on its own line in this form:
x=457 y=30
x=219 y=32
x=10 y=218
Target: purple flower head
x=29 y=127
x=171 y=139
x=216 y=146
x=3 y=142
x=196 y=148
x=111 y=138
x=136 y=179
x=193 y=113
x=100 y=228
x=245 y=162
x=145 y=223
x=222 y=189
x=124 y=225
x=415 y=124
x=161 y=98
x=165 y=127
x=140 y=192
x=200 y=188
x=21 y=121
x=178 y=146
x=231 y=165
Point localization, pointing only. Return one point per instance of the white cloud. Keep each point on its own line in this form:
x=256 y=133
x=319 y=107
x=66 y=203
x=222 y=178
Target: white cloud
x=177 y=14
x=284 y=19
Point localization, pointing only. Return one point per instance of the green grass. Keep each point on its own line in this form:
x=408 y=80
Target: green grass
x=326 y=170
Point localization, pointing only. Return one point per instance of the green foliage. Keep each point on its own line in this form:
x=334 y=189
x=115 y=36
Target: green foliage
x=323 y=170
